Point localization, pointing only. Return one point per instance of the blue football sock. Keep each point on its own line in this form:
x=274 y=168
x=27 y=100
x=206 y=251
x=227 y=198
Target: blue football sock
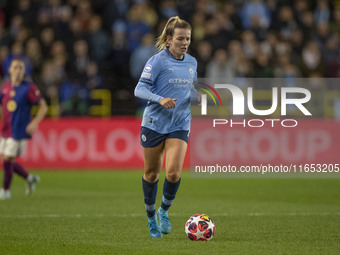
x=150 y=193
x=169 y=193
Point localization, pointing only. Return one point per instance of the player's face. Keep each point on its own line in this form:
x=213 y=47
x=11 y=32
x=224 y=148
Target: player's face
x=17 y=71
x=179 y=42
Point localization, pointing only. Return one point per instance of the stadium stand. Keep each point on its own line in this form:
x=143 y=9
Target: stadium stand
x=72 y=47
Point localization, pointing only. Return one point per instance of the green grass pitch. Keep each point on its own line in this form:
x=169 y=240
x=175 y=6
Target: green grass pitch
x=102 y=212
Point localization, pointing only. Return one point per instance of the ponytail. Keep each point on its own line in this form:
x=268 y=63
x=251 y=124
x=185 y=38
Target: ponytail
x=173 y=22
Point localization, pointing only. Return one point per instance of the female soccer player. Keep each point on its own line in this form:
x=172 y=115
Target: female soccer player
x=17 y=97
x=166 y=82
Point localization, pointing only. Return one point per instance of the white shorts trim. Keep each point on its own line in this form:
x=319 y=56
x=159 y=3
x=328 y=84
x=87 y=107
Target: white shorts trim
x=12 y=148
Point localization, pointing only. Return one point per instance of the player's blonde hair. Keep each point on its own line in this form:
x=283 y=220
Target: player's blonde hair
x=173 y=22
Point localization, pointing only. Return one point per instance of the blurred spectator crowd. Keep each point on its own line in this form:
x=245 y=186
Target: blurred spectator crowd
x=74 y=46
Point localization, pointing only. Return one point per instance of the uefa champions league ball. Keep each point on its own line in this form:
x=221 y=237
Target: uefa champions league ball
x=200 y=227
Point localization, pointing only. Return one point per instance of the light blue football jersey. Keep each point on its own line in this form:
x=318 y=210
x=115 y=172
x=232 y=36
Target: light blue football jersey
x=167 y=77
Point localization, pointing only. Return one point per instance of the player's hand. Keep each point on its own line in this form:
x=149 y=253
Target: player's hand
x=31 y=127
x=199 y=98
x=168 y=103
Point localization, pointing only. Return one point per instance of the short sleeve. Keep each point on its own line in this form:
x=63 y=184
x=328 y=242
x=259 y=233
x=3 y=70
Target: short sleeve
x=34 y=94
x=151 y=70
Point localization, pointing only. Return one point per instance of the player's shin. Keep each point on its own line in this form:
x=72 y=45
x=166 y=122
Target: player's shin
x=169 y=193
x=8 y=174
x=150 y=193
x=18 y=169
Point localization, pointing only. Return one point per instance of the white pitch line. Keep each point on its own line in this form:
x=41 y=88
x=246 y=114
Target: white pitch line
x=134 y=215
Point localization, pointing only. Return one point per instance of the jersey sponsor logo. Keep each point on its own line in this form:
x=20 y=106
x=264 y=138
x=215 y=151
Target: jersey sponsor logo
x=148 y=68
x=178 y=80
x=191 y=70
x=11 y=106
x=146 y=75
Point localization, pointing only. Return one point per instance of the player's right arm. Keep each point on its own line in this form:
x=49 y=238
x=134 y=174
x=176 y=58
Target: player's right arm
x=146 y=81
x=142 y=91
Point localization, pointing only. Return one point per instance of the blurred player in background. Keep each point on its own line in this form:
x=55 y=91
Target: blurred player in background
x=167 y=83
x=17 y=97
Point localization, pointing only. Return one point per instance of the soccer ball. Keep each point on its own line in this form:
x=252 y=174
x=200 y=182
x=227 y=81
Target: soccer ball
x=200 y=227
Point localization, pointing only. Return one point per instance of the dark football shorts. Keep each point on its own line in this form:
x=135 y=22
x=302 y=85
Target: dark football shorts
x=150 y=138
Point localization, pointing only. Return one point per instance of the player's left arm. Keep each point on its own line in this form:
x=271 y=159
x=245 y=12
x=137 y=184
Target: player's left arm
x=1 y=103
x=33 y=125
x=194 y=94
x=34 y=96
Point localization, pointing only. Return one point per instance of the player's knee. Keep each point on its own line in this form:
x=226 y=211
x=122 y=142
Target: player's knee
x=151 y=176
x=173 y=176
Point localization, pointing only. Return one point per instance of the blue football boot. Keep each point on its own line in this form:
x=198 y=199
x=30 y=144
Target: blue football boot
x=164 y=221
x=154 y=228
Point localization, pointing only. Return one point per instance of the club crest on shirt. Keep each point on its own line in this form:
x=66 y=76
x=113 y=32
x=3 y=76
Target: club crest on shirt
x=12 y=93
x=143 y=138
x=148 y=68
x=11 y=106
x=191 y=70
